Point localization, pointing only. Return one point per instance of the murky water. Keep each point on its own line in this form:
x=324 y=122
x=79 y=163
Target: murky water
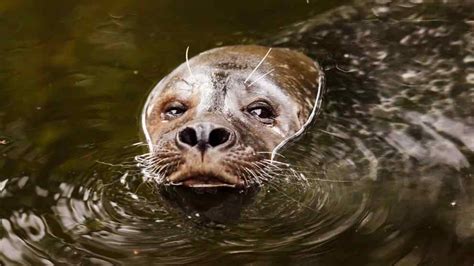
x=387 y=165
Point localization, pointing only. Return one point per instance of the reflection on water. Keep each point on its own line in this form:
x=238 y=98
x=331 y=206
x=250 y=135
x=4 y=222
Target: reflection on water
x=388 y=164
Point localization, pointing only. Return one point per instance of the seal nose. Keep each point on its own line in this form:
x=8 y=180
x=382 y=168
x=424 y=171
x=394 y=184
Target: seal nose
x=204 y=136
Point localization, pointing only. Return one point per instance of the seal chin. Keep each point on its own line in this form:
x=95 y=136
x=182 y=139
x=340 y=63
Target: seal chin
x=205 y=180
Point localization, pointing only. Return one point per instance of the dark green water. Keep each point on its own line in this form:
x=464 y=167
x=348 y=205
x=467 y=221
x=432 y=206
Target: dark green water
x=73 y=79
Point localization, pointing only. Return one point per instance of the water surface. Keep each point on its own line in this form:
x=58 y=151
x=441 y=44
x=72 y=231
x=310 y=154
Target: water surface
x=73 y=79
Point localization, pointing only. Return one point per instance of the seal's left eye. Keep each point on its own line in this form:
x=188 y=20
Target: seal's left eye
x=174 y=110
x=262 y=111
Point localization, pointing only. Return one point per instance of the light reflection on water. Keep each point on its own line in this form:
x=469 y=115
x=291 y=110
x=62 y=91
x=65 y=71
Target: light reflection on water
x=389 y=175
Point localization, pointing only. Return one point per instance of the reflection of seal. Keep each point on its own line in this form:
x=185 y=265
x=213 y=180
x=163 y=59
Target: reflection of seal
x=223 y=206
x=215 y=120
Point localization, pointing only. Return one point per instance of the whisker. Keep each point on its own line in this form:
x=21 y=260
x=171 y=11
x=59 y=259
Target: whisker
x=113 y=165
x=261 y=77
x=333 y=134
x=268 y=152
x=276 y=162
x=141 y=143
x=157 y=164
x=255 y=178
x=187 y=62
x=258 y=65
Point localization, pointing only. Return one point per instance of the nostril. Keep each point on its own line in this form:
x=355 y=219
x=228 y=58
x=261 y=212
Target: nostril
x=218 y=136
x=188 y=136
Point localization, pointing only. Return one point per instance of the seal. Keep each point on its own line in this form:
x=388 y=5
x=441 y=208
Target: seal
x=217 y=119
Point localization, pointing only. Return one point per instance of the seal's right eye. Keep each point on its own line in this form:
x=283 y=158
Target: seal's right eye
x=174 y=110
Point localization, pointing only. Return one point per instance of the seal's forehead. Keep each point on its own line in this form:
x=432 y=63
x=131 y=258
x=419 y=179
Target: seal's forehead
x=289 y=68
x=249 y=56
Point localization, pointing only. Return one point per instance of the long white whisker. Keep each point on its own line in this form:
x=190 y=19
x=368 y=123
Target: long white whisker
x=187 y=62
x=269 y=152
x=276 y=162
x=258 y=65
x=261 y=77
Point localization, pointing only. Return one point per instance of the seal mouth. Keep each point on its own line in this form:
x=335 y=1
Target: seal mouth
x=205 y=181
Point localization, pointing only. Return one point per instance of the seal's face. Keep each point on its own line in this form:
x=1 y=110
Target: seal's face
x=214 y=121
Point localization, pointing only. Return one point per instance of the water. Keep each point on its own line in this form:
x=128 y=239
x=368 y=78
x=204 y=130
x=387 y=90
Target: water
x=388 y=175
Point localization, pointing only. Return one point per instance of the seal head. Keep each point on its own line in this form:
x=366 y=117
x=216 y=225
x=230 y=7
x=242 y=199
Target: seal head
x=217 y=118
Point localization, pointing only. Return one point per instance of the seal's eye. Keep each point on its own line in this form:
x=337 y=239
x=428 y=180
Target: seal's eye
x=262 y=111
x=174 y=110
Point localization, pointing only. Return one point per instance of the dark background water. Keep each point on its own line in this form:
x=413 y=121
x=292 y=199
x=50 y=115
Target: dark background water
x=73 y=79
